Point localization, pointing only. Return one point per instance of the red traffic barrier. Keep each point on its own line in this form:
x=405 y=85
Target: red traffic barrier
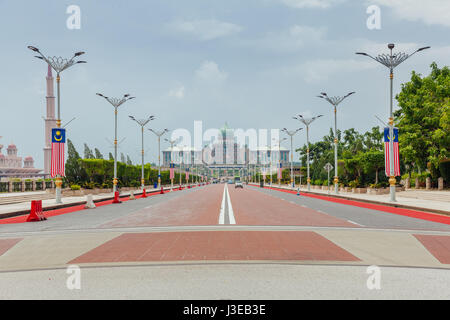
x=144 y=193
x=36 y=213
x=116 y=198
x=180 y=188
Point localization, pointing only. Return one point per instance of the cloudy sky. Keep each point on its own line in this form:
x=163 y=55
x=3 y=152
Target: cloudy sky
x=252 y=63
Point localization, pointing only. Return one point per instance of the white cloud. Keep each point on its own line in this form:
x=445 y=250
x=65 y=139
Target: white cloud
x=431 y=12
x=322 y=4
x=177 y=93
x=209 y=71
x=205 y=30
x=318 y=70
x=289 y=40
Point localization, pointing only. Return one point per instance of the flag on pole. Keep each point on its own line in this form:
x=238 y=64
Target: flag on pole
x=172 y=171
x=387 y=156
x=280 y=171
x=187 y=174
x=57 y=160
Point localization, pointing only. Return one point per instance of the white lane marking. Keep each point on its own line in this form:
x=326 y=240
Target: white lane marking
x=230 y=208
x=355 y=223
x=222 y=207
x=304 y=206
x=323 y=212
x=292 y=202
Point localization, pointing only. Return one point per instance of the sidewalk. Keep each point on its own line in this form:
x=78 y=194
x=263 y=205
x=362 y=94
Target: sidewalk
x=411 y=199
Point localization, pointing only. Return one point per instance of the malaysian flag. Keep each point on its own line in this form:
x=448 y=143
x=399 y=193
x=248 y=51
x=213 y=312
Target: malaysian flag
x=58 y=141
x=172 y=171
x=387 y=156
x=280 y=171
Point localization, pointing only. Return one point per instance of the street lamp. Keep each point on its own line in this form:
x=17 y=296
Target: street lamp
x=159 y=134
x=58 y=64
x=116 y=103
x=279 y=157
x=307 y=122
x=292 y=133
x=391 y=61
x=335 y=101
x=142 y=123
x=171 y=142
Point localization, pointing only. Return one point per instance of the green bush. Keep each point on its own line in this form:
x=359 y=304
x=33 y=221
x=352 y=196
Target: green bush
x=325 y=183
x=75 y=187
x=317 y=182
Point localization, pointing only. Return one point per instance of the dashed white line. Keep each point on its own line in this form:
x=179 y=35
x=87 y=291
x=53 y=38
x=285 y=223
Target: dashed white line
x=355 y=223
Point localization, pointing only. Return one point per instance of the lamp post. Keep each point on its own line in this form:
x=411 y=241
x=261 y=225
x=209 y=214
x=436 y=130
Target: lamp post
x=391 y=61
x=335 y=101
x=159 y=134
x=307 y=123
x=116 y=103
x=172 y=142
x=58 y=64
x=279 y=157
x=292 y=133
x=142 y=123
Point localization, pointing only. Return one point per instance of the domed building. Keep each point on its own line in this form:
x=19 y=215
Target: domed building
x=11 y=165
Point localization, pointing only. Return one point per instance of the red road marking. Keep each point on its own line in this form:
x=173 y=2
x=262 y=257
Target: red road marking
x=217 y=245
x=438 y=246
x=58 y=212
x=252 y=207
x=434 y=217
x=196 y=208
x=6 y=244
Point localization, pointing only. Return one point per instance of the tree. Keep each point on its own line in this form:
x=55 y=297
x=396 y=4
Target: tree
x=129 y=162
x=75 y=174
x=122 y=158
x=88 y=152
x=423 y=119
x=111 y=157
x=98 y=155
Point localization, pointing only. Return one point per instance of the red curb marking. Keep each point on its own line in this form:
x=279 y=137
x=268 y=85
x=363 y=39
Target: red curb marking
x=58 y=212
x=438 y=246
x=217 y=245
x=6 y=244
x=434 y=217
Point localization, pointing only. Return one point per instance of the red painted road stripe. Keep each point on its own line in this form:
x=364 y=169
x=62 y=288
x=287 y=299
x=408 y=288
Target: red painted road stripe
x=6 y=244
x=217 y=245
x=438 y=246
x=58 y=212
x=434 y=217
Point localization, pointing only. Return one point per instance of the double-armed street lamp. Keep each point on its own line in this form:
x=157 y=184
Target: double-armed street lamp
x=292 y=133
x=58 y=64
x=391 y=61
x=335 y=101
x=279 y=141
x=116 y=103
x=307 y=123
x=159 y=134
x=142 y=123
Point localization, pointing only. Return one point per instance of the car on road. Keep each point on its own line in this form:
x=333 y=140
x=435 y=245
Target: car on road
x=230 y=181
x=238 y=184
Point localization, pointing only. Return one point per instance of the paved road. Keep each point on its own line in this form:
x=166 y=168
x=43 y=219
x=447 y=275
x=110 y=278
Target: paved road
x=177 y=233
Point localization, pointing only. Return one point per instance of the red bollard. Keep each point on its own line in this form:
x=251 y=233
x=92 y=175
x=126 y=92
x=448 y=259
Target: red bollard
x=144 y=193
x=36 y=213
x=162 y=190
x=180 y=188
x=116 y=198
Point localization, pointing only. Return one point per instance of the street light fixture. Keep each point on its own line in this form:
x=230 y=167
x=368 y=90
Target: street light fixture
x=142 y=123
x=58 y=64
x=292 y=133
x=159 y=134
x=335 y=101
x=172 y=142
x=391 y=61
x=307 y=123
x=279 y=141
x=116 y=103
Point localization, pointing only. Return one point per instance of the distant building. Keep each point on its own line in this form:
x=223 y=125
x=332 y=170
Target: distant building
x=11 y=165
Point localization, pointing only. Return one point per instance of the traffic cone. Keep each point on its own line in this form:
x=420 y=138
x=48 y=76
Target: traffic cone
x=144 y=193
